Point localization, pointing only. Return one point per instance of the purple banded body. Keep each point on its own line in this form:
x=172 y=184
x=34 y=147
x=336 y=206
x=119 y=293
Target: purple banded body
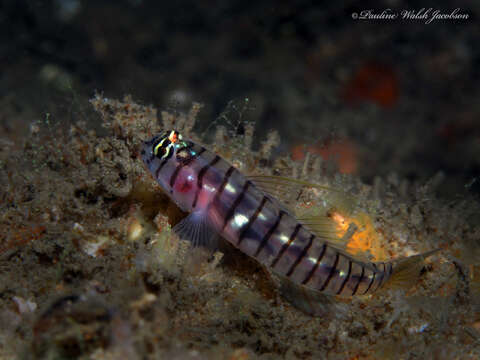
x=222 y=200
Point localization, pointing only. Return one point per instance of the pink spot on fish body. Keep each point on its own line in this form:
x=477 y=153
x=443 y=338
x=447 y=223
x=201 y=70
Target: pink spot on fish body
x=185 y=182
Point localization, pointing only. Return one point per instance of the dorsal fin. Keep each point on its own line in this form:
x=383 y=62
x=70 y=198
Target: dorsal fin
x=275 y=188
x=279 y=185
x=331 y=224
x=287 y=191
x=338 y=232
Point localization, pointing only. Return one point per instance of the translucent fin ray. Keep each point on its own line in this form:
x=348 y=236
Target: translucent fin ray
x=279 y=186
x=324 y=227
x=282 y=181
x=309 y=301
x=288 y=190
x=406 y=270
x=197 y=229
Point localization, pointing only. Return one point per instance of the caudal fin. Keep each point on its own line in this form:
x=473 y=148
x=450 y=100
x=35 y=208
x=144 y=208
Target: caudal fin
x=405 y=271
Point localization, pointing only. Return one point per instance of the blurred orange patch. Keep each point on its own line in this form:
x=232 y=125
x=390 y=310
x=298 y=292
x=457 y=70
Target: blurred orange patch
x=372 y=82
x=343 y=152
x=364 y=239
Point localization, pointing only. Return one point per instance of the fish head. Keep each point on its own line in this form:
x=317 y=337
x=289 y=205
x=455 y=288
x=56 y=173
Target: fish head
x=164 y=155
x=162 y=146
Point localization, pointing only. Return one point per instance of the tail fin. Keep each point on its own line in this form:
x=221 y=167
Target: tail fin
x=406 y=270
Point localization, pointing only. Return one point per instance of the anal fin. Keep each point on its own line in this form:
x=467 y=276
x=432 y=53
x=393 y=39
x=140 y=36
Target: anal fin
x=309 y=301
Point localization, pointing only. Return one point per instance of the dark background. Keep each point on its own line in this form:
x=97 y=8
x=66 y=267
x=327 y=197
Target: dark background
x=387 y=96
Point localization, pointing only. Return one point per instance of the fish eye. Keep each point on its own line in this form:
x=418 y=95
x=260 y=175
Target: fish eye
x=160 y=151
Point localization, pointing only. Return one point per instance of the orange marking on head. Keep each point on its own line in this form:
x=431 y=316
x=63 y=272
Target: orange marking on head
x=173 y=137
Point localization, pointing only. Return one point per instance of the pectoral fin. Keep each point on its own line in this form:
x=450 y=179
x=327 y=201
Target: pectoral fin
x=197 y=229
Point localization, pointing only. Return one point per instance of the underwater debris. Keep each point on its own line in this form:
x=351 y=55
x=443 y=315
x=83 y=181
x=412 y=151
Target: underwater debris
x=24 y=306
x=124 y=118
x=15 y=237
x=71 y=326
x=113 y=156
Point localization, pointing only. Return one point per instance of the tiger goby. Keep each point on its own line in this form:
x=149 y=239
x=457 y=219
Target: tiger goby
x=223 y=201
